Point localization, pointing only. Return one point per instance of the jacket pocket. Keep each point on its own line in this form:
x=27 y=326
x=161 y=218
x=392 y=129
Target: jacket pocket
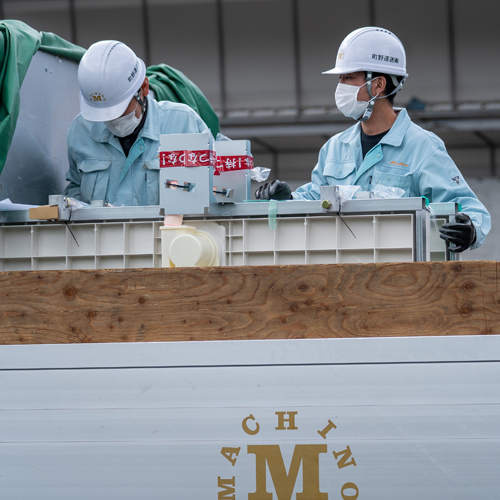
x=94 y=176
x=390 y=176
x=339 y=171
x=152 y=183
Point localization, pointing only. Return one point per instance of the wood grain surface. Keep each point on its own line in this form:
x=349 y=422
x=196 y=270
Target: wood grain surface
x=258 y=302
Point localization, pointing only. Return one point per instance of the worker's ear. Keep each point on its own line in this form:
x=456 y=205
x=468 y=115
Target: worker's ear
x=145 y=87
x=380 y=85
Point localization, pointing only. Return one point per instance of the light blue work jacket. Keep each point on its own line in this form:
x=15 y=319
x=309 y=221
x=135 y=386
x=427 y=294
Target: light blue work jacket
x=99 y=169
x=407 y=157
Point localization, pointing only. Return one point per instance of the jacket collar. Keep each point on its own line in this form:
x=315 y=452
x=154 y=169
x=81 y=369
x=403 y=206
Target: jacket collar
x=100 y=133
x=394 y=137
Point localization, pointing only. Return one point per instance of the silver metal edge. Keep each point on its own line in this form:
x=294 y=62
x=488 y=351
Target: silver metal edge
x=245 y=209
x=253 y=352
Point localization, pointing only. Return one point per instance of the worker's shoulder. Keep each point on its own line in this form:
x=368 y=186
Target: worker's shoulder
x=79 y=125
x=175 y=107
x=425 y=137
x=342 y=139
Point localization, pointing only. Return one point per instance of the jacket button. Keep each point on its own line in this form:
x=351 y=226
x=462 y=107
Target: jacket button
x=142 y=147
x=378 y=156
x=388 y=178
x=145 y=166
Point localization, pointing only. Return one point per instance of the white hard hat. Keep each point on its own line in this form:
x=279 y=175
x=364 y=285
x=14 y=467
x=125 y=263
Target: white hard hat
x=371 y=49
x=109 y=75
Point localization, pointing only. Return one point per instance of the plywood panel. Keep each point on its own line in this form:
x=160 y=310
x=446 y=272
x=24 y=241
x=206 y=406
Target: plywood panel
x=438 y=298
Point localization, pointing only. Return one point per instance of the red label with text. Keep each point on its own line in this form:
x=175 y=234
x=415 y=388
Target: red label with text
x=232 y=163
x=204 y=158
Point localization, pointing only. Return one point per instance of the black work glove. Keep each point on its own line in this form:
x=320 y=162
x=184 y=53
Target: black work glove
x=462 y=233
x=275 y=190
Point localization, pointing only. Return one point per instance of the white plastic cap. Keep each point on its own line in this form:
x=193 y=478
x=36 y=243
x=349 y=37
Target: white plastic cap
x=371 y=49
x=109 y=75
x=193 y=250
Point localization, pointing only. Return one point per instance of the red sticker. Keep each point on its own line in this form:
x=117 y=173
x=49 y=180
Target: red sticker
x=203 y=158
x=233 y=163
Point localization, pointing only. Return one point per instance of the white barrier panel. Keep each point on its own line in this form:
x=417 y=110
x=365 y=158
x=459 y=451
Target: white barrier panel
x=296 y=240
x=384 y=418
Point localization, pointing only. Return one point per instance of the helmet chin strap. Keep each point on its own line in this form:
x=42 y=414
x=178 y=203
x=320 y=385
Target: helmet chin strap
x=139 y=99
x=371 y=102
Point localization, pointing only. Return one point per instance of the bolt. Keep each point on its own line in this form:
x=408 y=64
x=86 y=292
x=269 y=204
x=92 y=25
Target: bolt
x=326 y=204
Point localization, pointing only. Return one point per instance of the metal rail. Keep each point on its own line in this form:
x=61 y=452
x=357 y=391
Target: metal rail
x=245 y=209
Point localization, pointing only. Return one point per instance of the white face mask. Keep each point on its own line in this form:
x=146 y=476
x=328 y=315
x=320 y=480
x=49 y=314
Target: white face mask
x=124 y=125
x=347 y=102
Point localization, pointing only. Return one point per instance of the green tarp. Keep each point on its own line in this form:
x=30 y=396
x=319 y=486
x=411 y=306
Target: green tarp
x=170 y=84
x=18 y=44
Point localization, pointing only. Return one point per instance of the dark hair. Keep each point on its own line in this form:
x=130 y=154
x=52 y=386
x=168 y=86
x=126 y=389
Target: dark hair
x=389 y=87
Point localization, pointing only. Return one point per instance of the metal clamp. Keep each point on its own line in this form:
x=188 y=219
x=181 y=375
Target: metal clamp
x=62 y=204
x=330 y=199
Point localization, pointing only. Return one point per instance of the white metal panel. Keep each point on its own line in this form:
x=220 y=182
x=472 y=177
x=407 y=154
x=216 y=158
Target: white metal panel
x=137 y=425
x=386 y=350
x=420 y=416
x=384 y=384
x=37 y=161
x=131 y=471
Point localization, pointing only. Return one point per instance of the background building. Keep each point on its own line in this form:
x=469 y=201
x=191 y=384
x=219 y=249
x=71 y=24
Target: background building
x=259 y=62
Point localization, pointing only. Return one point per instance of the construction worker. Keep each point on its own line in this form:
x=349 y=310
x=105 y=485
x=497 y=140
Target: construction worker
x=385 y=147
x=113 y=143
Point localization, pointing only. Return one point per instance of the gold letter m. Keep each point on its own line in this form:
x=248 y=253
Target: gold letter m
x=307 y=455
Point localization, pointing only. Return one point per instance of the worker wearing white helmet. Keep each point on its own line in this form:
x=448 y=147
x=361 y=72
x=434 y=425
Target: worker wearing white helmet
x=113 y=143
x=385 y=147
